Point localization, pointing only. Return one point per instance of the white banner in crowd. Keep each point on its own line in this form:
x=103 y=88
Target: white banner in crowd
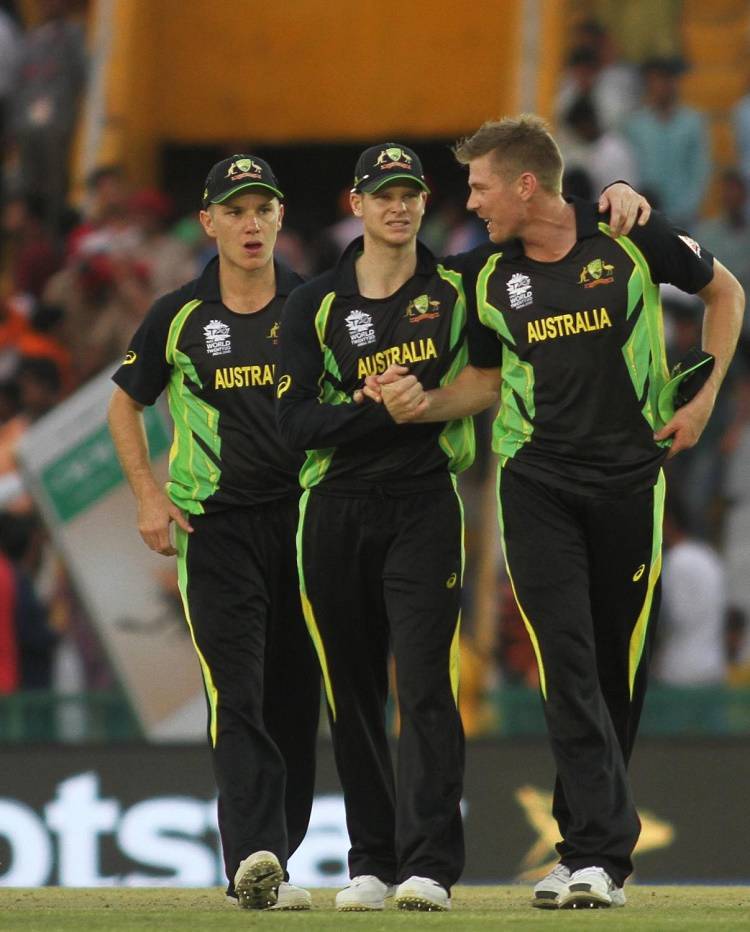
x=69 y=465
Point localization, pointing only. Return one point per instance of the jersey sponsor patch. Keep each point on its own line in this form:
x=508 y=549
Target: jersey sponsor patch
x=218 y=340
x=519 y=290
x=691 y=244
x=360 y=327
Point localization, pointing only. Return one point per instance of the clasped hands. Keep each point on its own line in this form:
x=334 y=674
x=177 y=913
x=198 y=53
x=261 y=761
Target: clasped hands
x=402 y=394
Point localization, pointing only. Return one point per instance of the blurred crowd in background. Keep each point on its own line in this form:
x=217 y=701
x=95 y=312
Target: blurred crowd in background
x=77 y=274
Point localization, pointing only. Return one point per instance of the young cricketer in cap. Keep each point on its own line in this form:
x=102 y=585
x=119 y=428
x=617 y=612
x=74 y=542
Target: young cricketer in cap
x=568 y=329
x=380 y=542
x=232 y=500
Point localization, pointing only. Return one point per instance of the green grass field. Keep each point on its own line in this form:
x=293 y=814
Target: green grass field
x=166 y=909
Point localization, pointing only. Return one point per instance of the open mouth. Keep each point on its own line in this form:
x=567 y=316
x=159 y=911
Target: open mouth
x=252 y=248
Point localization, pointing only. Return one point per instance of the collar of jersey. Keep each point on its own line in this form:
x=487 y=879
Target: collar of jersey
x=207 y=286
x=345 y=278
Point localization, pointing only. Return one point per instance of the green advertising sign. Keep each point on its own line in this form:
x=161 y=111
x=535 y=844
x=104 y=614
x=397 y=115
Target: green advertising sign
x=88 y=471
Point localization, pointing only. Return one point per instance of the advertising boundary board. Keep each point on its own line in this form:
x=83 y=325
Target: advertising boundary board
x=145 y=815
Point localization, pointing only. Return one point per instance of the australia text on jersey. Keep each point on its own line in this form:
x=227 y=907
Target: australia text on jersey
x=566 y=325
x=403 y=355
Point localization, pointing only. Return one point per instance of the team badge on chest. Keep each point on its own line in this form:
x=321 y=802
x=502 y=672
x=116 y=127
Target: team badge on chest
x=218 y=340
x=519 y=290
x=360 y=327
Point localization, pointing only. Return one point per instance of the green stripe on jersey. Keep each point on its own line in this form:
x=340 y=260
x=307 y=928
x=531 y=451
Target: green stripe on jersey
x=457 y=437
x=193 y=474
x=511 y=428
x=316 y=465
x=638 y=637
x=644 y=352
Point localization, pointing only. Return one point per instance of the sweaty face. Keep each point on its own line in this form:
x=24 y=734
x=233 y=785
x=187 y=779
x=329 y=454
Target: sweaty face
x=494 y=199
x=393 y=214
x=245 y=228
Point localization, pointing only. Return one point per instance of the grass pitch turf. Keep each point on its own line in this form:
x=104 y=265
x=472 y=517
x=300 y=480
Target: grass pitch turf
x=166 y=909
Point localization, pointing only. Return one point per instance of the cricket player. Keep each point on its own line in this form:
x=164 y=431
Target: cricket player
x=567 y=331
x=380 y=540
x=232 y=503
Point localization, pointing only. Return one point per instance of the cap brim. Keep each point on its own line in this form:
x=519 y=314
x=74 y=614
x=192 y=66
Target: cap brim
x=377 y=183
x=697 y=366
x=246 y=187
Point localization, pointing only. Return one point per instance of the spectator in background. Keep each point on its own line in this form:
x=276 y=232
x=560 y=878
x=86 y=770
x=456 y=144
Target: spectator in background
x=595 y=69
x=35 y=637
x=671 y=143
x=602 y=154
x=165 y=260
x=45 y=99
x=33 y=252
x=10 y=41
x=740 y=117
x=691 y=648
x=105 y=213
x=728 y=234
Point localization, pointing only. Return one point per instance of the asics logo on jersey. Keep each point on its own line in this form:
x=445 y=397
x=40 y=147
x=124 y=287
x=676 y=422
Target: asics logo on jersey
x=130 y=358
x=451 y=581
x=639 y=572
x=284 y=382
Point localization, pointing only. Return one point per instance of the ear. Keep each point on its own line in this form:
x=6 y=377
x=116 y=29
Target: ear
x=527 y=184
x=355 y=202
x=281 y=217
x=207 y=222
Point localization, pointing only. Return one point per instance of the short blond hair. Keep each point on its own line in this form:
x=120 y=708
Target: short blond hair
x=518 y=144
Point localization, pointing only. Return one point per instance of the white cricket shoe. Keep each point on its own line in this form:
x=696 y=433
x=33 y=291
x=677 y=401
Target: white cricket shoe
x=289 y=896
x=257 y=880
x=422 y=893
x=547 y=891
x=591 y=888
x=364 y=892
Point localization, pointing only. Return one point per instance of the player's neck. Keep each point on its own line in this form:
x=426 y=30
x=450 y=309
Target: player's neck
x=550 y=231
x=246 y=291
x=382 y=268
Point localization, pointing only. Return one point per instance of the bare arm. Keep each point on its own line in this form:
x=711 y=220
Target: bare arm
x=722 y=322
x=472 y=391
x=155 y=510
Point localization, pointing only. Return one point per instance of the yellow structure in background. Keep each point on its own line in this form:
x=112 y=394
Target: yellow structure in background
x=300 y=71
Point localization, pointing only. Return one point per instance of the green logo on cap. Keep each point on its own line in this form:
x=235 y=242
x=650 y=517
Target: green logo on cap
x=394 y=154
x=244 y=167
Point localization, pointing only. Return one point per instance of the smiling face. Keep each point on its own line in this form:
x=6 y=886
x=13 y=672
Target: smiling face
x=499 y=198
x=393 y=214
x=245 y=228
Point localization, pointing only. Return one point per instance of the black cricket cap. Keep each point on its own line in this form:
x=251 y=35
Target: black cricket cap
x=384 y=164
x=238 y=173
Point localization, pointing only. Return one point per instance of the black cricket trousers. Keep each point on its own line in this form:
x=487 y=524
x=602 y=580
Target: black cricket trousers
x=382 y=570
x=238 y=579
x=585 y=574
